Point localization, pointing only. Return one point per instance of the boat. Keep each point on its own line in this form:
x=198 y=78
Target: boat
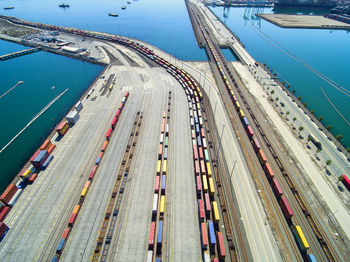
x=124 y=7
x=63 y=5
x=112 y=14
x=9 y=7
x=128 y=2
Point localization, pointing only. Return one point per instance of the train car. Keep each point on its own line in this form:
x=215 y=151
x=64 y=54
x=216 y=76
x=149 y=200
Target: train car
x=160 y=151
x=159 y=165
x=162 y=206
x=60 y=246
x=216 y=214
x=268 y=171
x=93 y=172
x=161 y=139
x=199 y=141
x=201 y=210
x=250 y=132
x=166 y=141
x=206 y=156
x=164 y=167
x=160 y=237
x=163 y=184
x=299 y=235
x=256 y=145
x=199 y=185
x=345 y=181
x=104 y=147
x=207 y=204
x=241 y=114
x=72 y=219
x=206 y=255
x=151 y=236
x=212 y=237
x=203 y=171
x=155 y=206
x=286 y=208
x=205 y=145
x=221 y=246
x=277 y=190
x=245 y=122
x=204 y=236
x=195 y=154
x=201 y=155
x=238 y=106
x=197 y=168
x=156 y=184
x=114 y=122
x=109 y=133
x=205 y=183
x=209 y=173
x=66 y=233
x=211 y=187
x=76 y=209
x=311 y=258
x=262 y=157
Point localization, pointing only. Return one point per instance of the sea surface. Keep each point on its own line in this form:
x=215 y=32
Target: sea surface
x=166 y=25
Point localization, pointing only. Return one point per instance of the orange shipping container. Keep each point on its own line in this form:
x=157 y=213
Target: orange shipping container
x=46 y=145
x=51 y=148
x=76 y=209
x=32 y=178
x=87 y=184
x=8 y=193
x=104 y=146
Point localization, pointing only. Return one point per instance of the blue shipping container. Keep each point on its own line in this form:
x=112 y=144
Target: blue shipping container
x=60 y=246
x=42 y=154
x=160 y=233
x=245 y=122
x=197 y=129
x=199 y=141
x=54 y=259
x=165 y=153
x=98 y=160
x=47 y=162
x=163 y=185
x=311 y=258
x=212 y=233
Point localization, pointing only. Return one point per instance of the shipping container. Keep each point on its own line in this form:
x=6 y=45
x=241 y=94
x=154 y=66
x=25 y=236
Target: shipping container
x=117 y=114
x=166 y=141
x=3 y=230
x=197 y=168
x=26 y=174
x=72 y=117
x=221 y=246
x=241 y=114
x=201 y=155
x=203 y=171
x=66 y=233
x=149 y=256
x=160 y=236
x=159 y=165
x=262 y=157
x=201 y=210
x=205 y=183
x=33 y=178
x=51 y=148
x=83 y=193
x=250 y=132
x=93 y=172
x=72 y=219
x=47 y=162
x=212 y=237
x=206 y=256
x=161 y=138
x=164 y=167
x=345 y=181
x=209 y=169
x=256 y=145
x=121 y=106
x=167 y=129
x=204 y=236
x=76 y=209
x=9 y=192
x=165 y=156
x=198 y=185
x=277 y=190
x=211 y=187
x=109 y=133
x=15 y=197
x=160 y=151
x=155 y=206
x=151 y=235
x=311 y=258
x=156 y=185
x=114 y=122
x=34 y=156
x=162 y=206
x=104 y=147
x=195 y=154
x=78 y=106
x=206 y=156
x=60 y=246
x=245 y=122
x=207 y=204
x=268 y=171
x=298 y=233
x=98 y=160
x=286 y=208
x=163 y=184
x=4 y=212
x=216 y=214
x=46 y=145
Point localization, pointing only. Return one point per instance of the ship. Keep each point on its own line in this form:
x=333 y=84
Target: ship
x=63 y=5
x=124 y=7
x=113 y=14
x=9 y=7
x=128 y=2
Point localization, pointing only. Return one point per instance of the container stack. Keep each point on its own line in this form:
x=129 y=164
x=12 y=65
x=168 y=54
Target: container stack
x=78 y=106
x=8 y=194
x=72 y=117
x=62 y=128
x=40 y=158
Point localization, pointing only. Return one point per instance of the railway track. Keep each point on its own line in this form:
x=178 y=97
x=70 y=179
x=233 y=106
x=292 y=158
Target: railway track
x=111 y=215
x=276 y=159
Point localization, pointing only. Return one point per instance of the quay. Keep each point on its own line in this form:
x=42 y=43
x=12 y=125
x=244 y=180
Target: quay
x=19 y=53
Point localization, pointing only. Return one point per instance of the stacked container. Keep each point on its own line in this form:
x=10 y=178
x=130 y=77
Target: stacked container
x=62 y=128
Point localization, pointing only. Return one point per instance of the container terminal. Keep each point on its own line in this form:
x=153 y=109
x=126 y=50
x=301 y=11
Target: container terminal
x=163 y=159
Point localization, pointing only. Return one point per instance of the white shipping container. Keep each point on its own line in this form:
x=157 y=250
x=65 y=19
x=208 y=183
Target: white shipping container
x=78 y=106
x=15 y=197
x=72 y=117
x=155 y=204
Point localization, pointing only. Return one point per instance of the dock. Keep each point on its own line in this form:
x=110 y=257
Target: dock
x=18 y=53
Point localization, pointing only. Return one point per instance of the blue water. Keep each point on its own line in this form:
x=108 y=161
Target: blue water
x=325 y=50
x=39 y=71
x=165 y=24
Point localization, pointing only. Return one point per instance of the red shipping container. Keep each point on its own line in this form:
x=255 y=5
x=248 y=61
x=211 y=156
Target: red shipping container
x=32 y=178
x=121 y=106
x=195 y=154
x=268 y=171
x=4 y=213
x=152 y=235
x=207 y=203
x=105 y=144
x=46 y=145
x=201 y=210
x=345 y=181
x=66 y=233
x=204 y=235
x=156 y=186
x=276 y=188
x=51 y=148
x=34 y=156
x=256 y=145
x=72 y=219
x=109 y=133
x=286 y=209
x=200 y=153
x=262 y=157
x=250 y=132
x=199 y=185
x=117 y=114
x=126 y=94
x=8 y=193
x=114 y=122
x=93 y=172
x=221 y=246
x=197 y=169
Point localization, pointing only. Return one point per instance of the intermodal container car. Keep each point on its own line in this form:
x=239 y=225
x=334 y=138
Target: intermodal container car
x=256 y=145
x=197 y=168
x=216 y=214
x=98 y=160
x=160 y=151
x=155 y=206
x=162 y=205
x=76 y=209
x=201 y=155
x=60 y=246
x=83 y=193
x=109 y=133
x=66 y=233
x=165 y=156
x=164 y=167
x=204 y=235
x=159 y=165
x=207 y=204
x=209 y=169
x=206 y=156
x=150 y=256
x=211 y=187
x=199 y=141
x=8 y=193
x=105 y=144
x=160 y=236
x=211 y=234
x=345 y=181
x=203 y=171
x=286 y=208
x=205 y=146
x=117 y=115
x=72 y=219
x=206 y=256
x=166 y=141
x=161 y=140
x=151 y=235
x=156 y=185
x=93 y=172
x=195 y=154
x=201 y=210
x=163 y=184
x=250 y=131
x=298 y=233
x=262 y=157
x=199 y=185
x=268 y=171
x=277 y=190
x=203 y=133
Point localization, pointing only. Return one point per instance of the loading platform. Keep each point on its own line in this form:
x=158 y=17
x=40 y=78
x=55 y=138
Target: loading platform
x=18 y=53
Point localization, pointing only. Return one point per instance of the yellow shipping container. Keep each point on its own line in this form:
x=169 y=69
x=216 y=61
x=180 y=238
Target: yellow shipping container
x=83 y=192
x=301 y=237
x=205 y=183
x=162 y=205
x=159 y=164
x=209 y=169
x=216 y=212
x=164 y=167
x=26 y=173
x=241 y=114
x=211 y=186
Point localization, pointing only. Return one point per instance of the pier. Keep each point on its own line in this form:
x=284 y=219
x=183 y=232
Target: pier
x=18 y=53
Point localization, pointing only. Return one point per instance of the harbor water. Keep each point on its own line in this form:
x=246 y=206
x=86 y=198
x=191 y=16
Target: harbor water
x=166 y=25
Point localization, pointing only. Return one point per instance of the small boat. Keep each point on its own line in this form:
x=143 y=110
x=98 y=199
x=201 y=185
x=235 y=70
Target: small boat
x=9 y=7
x=124 y=7
x=63 y=5
x=128 y=2
x=112 y=14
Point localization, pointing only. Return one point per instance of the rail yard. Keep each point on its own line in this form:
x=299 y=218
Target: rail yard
x=153 y=165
